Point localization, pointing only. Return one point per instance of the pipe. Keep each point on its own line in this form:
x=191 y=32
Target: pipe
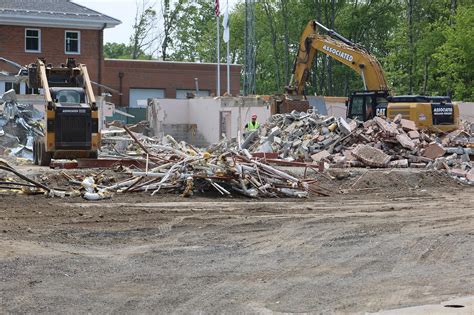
x=101 y=57
x=196 y=81
x=335 y=34
x=7 y=168
x=120 y=74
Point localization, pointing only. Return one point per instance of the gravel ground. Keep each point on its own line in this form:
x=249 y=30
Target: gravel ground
x=383 y=240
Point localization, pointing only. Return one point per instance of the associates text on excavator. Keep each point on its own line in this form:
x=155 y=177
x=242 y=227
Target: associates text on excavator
x=436 y=113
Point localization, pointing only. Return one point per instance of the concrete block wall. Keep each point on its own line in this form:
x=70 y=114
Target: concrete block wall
x=466 y=111
x=204 y=112
x=174 y=111
x=197 y=121
x=186 y=132
x=242 y=109
x=180 y=132
x=335 y=106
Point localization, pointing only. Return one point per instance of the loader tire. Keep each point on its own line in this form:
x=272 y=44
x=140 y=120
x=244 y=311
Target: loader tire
x=35 y=152
x=44 y=158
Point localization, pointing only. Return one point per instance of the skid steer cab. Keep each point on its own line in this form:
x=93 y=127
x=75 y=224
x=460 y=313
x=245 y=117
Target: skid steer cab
x=435 y=113
x=71 y=122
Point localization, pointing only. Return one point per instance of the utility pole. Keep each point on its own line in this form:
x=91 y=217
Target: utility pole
x=218 y=90
x=217 y=13
x=250 y=50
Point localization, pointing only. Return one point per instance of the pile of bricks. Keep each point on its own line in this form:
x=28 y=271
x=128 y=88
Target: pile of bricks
x=378 y=142
x=299 y=135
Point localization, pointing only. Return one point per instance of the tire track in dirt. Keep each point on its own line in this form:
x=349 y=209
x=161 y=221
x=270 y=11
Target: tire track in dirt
x=374 y=250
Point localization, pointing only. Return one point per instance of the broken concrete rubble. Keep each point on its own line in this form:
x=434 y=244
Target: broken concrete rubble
x=405 y=141
x=387 y=127
x=312 y=137
x=19 y=123
x=470 y=175
x=371 y=156
x=457 y=172
x=398 y=163
x=413 y=134
x=344 y=126
x=434 y=150
x=320 y=156
x=408 y=125
x=232 y=167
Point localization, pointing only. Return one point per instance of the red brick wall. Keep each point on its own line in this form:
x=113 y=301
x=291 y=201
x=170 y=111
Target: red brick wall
x=165 y=75
x=12 y=46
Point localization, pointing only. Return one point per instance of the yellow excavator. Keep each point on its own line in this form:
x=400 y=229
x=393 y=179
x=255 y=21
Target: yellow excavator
x=436 y=113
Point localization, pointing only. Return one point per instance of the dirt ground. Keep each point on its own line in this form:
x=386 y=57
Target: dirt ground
x=382 y=240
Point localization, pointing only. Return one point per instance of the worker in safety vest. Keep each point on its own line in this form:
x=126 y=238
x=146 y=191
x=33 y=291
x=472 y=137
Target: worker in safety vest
x=252 y=125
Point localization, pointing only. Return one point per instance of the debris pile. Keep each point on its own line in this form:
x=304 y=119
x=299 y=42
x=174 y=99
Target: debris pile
x=378 y=142
x=178 y=167
x=181 y=168
x=232 y=168
x=19 y=123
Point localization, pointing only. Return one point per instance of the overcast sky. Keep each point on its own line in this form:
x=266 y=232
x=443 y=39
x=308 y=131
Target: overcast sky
x=124 y=10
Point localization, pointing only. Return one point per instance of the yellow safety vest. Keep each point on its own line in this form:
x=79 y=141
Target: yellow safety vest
x=251 y=126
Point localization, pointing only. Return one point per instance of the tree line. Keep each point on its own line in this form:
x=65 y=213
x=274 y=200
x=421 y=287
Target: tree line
x=424 y=46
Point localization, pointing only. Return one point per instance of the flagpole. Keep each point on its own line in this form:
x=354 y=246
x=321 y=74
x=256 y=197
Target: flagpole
x=218 y=58
x=228 y=56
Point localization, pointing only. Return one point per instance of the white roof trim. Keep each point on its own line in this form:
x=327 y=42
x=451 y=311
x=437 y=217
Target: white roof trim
x=67 y=22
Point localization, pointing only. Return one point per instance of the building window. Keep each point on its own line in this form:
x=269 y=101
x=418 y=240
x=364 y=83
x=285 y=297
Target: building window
x=73 y=42
x=31 y=91
x=12 y=85
x=32 y=40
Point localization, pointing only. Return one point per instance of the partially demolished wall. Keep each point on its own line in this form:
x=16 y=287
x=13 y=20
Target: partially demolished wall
x=203 y=121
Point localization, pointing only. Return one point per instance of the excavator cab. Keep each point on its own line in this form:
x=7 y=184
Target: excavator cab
x=365 y=105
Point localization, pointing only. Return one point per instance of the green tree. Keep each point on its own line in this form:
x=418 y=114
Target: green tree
x=192 y=31
x=144 y=30
x=410 y=63
x=455 y=58
x=421 y=44
x=122 y=51
x=172 y=12
x=117 y=51
x=195 y=34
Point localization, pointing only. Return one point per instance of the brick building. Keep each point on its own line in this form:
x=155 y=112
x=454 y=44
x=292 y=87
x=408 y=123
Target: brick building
x=138 y=80
x=53 y=29
x=58 y=29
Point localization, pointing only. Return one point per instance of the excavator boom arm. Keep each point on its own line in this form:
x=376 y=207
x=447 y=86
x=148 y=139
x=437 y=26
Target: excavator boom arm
x=339 y=48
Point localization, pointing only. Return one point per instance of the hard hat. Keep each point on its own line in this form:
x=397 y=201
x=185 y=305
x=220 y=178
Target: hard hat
x=254 y=116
